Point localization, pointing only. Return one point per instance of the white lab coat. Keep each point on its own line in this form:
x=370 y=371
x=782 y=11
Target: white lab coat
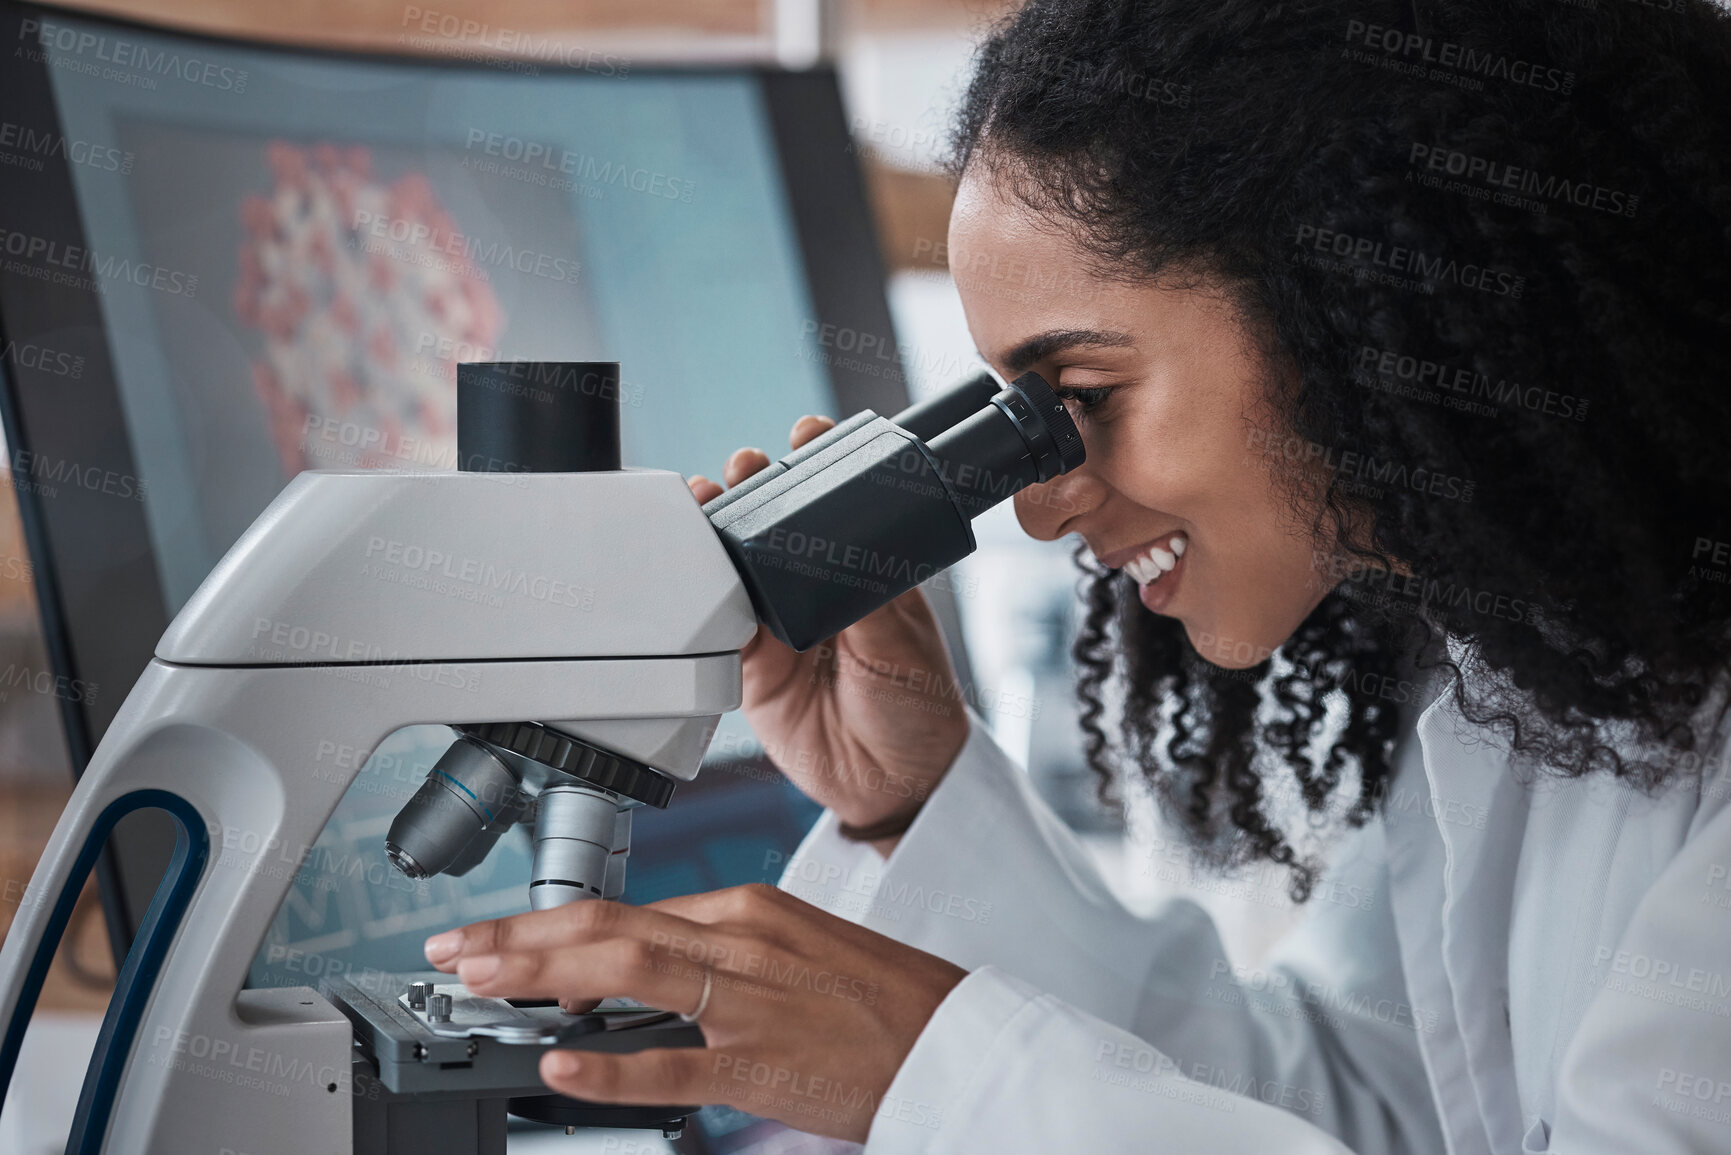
x=1493 y=968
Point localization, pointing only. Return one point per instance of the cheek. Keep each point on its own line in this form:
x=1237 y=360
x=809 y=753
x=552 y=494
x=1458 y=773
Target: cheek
x=1189 y=474
x=1179 y=447
x=1254 y=584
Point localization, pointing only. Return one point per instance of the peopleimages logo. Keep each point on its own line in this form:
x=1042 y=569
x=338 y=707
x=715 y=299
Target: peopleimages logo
x=1368 y=255
x=131 y=61
x=1377 y=585
x=419 y=242
x=44 y=259
x=33 y=145
x=1466 y=62
x=541 y=161
x=426 y=27
x=1358 y=468
x=1503 y=177
x=1459 y=387
x=42 y=359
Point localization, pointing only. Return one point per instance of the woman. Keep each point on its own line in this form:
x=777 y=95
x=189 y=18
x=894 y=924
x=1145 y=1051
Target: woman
x=1399 y=337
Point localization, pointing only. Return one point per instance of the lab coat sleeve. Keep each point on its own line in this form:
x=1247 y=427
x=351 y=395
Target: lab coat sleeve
x=1649 y=1069
x=1085 y=1027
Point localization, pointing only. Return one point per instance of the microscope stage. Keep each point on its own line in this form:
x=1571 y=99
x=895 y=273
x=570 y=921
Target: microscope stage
x=488 y=1045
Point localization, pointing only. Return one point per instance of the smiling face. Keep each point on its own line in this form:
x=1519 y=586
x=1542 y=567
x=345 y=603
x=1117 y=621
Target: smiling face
x=1167 y=387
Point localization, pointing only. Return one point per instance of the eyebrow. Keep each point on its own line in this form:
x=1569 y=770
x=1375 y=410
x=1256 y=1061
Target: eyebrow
x=1037 y=348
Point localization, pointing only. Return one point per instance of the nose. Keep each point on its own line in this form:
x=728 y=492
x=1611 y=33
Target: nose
x=1049 y=510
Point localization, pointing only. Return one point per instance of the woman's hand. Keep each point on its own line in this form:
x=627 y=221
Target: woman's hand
x=808 y=1016
x=867 y=722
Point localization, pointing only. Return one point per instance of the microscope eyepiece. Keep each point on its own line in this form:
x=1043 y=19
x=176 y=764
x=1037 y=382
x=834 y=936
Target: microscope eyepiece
x=1020 y=437
x=537 y=416
x=865 y=512
x=926 y=419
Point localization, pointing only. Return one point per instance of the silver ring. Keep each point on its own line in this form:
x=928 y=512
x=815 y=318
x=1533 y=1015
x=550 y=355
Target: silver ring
x=703 y=1000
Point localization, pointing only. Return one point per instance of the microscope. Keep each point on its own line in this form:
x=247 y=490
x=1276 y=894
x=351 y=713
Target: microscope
x=567 y=714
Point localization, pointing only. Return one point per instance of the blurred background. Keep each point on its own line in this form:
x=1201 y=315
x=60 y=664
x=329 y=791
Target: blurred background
x=901 y=65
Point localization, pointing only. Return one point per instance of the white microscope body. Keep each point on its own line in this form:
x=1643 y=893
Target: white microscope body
x=602 y=604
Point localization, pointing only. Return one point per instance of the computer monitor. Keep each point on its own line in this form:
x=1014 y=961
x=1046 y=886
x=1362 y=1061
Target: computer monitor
x=222 y=263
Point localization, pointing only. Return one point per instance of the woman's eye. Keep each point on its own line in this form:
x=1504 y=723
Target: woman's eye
x=1087 y=400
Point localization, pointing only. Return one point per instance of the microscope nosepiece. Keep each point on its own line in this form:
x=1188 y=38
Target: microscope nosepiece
x=468 y=790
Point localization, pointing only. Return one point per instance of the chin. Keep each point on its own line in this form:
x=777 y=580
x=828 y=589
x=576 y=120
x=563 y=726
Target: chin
x=1226 y=649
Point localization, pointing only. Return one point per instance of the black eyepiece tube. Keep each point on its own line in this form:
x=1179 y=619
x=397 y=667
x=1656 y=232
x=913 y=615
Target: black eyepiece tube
x=1022 y=437
x=867 y=511
x=537 y=416
x=935 y=414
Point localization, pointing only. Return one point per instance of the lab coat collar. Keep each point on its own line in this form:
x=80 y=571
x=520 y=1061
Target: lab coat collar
x=1454 y=851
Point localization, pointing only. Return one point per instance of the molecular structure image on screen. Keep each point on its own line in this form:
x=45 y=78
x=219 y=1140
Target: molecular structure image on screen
x=345 y=276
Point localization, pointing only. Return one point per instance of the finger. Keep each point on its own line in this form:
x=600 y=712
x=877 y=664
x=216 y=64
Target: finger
x=660 y=1075
x=578 y=1006
x=700 y=1075
x=771 y=917
x=620 y=967
x=703 y=489
x=891 y=630
x=752 y=904
x=743 y=464
x=590 y=920
x=808 y=427
x=766 y=912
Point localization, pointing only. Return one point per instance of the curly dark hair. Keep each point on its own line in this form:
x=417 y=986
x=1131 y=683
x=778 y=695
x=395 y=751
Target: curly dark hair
x=1488 y=245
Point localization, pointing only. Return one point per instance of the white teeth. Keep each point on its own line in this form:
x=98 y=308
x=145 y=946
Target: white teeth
x=1150 y=567
x=1179 y=541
